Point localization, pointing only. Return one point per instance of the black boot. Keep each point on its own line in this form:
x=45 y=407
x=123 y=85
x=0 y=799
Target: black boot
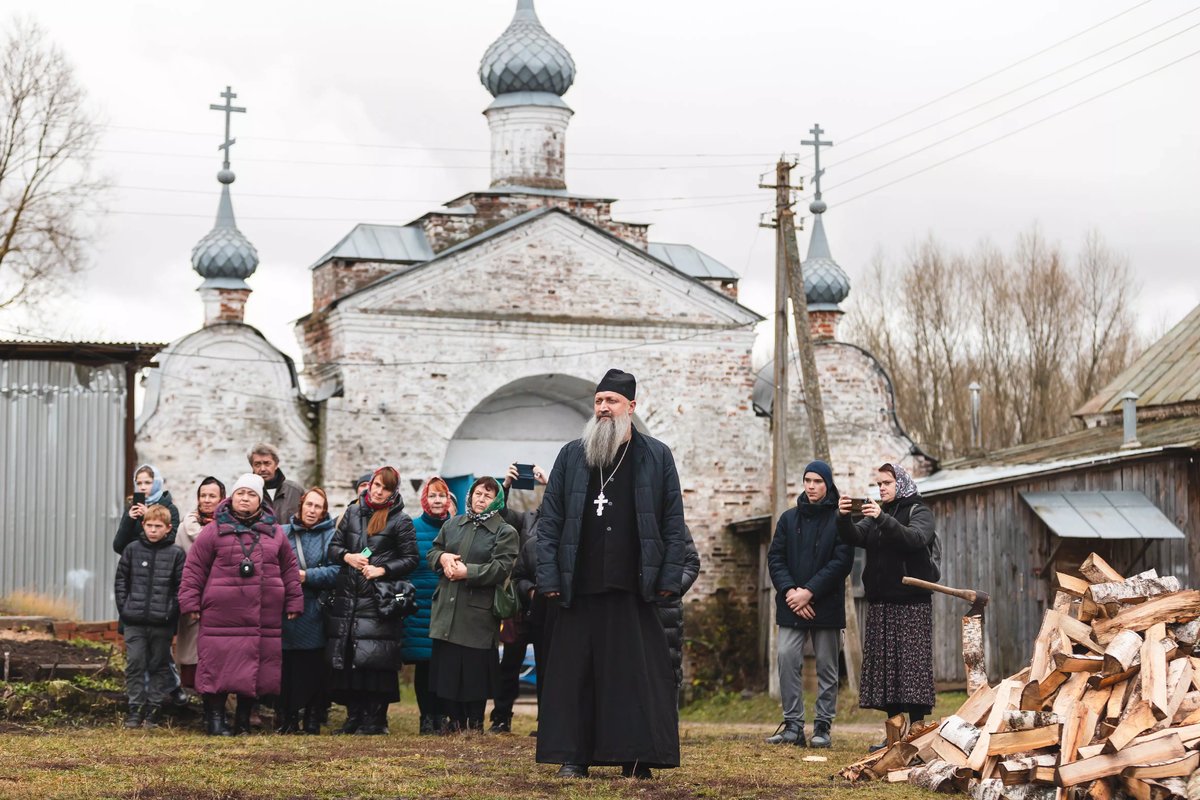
x=153 y=715
x=426 y=728
x=214 y=716
x=475 y=724
x=241 y=715
x=134 y=718
x=312 y=720
x=501 y=725
x=354 y=718
x=377 y=713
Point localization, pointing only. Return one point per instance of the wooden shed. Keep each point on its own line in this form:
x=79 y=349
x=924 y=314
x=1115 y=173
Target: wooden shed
x=1128 y=489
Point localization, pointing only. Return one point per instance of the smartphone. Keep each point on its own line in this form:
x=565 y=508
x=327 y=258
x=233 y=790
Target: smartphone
x=856 y=504
x=139 y=498
x=525 y=479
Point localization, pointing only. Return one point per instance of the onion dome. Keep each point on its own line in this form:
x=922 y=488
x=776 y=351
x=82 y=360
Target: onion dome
x=825 y=284
x=526 y=58
x=225 y=257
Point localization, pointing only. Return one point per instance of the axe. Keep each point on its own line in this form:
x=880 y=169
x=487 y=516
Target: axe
x=972 y=630
x=977 y=599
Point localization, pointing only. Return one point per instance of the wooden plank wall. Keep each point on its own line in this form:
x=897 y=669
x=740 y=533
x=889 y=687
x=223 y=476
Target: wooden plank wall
x=992 y=540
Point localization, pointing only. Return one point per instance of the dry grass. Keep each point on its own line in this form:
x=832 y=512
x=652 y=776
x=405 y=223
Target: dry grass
x=719 y=761
x=28 y=603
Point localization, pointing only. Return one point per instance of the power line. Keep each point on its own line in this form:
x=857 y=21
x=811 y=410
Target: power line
x=1060 y=112
x=991 y=75
x=1021 y=87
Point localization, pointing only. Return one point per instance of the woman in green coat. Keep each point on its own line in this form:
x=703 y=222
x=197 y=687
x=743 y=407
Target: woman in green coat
x=472 y=555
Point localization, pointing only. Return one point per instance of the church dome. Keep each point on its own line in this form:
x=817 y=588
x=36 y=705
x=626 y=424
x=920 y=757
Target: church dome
x=526 y=58
x=225 y=252
x=826 y=285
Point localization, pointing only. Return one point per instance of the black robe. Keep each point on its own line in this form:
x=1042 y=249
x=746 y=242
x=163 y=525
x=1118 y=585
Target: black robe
x=609 y=694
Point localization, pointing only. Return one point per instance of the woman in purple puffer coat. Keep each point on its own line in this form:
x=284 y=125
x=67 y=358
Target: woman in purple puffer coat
x=240 y=580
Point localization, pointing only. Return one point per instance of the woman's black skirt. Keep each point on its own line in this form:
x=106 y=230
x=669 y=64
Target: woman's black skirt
x=897 y=671
x=463 y=674
x=305 y=678
x=354 y=684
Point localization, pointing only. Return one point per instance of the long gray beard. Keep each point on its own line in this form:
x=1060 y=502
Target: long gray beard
x=602 y=439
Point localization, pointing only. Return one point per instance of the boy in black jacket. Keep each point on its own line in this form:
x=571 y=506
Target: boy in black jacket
x=147 y=588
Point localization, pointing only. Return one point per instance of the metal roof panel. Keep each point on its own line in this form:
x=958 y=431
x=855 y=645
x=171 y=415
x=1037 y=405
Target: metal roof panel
x=690 y=261
x=1101 y=515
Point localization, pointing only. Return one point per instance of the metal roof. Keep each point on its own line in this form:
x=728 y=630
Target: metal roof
x=526 y=58
x=1166 y=374
x=691 y=261
x=93 y=353
x=399 y=243
x=1101 y=515
x=825 y=283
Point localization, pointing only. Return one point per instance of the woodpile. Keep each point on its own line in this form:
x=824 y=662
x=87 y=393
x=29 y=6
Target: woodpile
x=1108 y=708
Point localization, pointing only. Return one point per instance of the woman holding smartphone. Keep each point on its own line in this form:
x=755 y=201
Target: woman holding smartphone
x=148 y=491
x=896 y=533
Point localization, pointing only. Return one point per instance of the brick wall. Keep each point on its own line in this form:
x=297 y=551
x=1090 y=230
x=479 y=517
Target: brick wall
x=105 y=632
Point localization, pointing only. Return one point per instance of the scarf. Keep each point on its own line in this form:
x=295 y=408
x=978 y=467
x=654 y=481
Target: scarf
x=905 y=485
x=450 y=507
x=492 y=510
x=276 y=480
x=156 y=489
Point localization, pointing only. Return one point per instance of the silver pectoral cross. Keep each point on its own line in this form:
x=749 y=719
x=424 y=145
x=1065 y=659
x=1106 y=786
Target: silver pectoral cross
x=601 y=501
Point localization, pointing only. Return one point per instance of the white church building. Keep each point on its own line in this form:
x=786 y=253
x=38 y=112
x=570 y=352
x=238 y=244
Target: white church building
x=473 y=337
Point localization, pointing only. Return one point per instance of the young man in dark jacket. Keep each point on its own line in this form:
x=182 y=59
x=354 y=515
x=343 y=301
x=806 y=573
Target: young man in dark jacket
x=809 y=564
x=147 y=589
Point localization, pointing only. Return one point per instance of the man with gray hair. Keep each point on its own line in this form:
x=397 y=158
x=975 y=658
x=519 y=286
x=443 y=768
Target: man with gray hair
x=279 y=494
x=611 y=543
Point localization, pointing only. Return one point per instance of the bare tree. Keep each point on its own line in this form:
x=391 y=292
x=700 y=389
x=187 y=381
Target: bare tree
x=47 y=183
x=1042 y=337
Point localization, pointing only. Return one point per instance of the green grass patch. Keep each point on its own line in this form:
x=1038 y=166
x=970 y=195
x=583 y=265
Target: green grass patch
x=732 y=707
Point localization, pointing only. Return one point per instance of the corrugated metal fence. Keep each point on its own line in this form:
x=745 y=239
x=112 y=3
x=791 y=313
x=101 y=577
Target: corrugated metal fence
x=61 y=440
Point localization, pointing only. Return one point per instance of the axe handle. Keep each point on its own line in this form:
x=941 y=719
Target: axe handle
x=965 y=594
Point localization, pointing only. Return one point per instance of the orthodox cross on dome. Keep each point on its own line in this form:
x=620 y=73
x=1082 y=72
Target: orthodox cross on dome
x=816 y=144
x=228 y=108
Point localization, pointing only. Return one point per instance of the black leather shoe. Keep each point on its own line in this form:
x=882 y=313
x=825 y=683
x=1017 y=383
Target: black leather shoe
x=312 y=721
x=573 y=771
x=501 y=726
x=241 y=716
x=134 y=718
x=638 y=771
x=214 y=716
x=153 y=716
x=354 y=719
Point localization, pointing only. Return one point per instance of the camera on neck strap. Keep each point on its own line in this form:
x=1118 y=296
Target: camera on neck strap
x=246 y=568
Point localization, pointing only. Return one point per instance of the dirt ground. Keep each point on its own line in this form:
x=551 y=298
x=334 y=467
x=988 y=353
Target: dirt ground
x=26 y=653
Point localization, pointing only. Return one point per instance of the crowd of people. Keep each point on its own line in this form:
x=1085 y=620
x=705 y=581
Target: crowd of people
x=271 y=601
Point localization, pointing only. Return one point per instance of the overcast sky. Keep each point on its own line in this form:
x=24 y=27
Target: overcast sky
x=371 y=112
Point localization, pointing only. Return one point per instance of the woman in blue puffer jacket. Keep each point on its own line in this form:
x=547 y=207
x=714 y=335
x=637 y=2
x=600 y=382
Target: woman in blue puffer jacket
x=305 y=672
x=437 y=506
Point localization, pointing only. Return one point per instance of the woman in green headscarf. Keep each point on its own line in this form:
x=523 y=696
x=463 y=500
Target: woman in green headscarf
x=472 y=555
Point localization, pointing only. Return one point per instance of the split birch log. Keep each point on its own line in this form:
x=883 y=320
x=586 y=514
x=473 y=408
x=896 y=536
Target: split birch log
x=1071 y=662
x=1089 y=769
x=1168 y=608
x=1179 y=680
x=936 y=777
x=1188 y=734
x=1172 y=768
x=1024 y=720
x=1041 y=663
x=1139 y=720
x=1076 y=587
x=973 y=660
x=1193 y=786
x=1118 y=700
x=945 y=751
x=1079 y=633
x=1166 y=788
x=895 y=727
x=1190 y=704
x=1195 y=672
x=852 y=772
x=1185 y=634
x=976 y=709
x=1016 y=771
x=1069 y=694
x=1123 y=652
x=1154 y=670
x=988 y=790
x=960 y=733
x=1089 y=750
x=1096 y=570
x=897 y=756
x=898 y=775
x=1006 y=692
x=1133 y=590
x=1035 y=694
x=1136 y=789
x=1008 y=742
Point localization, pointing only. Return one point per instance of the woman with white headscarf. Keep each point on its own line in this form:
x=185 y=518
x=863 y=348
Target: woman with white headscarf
x=897 y=533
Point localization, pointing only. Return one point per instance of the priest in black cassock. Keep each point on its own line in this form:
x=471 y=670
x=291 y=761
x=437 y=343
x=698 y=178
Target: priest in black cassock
x=611 y=541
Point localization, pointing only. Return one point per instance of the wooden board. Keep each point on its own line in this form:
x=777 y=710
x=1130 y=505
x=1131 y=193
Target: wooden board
x=1008 y=742
x=1101 y=766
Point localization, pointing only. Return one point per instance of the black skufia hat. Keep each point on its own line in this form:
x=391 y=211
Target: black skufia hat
x=620 y=382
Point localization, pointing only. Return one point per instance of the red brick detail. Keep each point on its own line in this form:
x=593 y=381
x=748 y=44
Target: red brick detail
x=105 y=632
x=823 y=324
x=335 y=278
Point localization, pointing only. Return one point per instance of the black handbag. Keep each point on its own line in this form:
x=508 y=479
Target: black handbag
x=395 y=598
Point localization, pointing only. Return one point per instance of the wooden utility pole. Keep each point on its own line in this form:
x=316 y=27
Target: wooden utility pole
x=779 y=404
x=814 y=406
